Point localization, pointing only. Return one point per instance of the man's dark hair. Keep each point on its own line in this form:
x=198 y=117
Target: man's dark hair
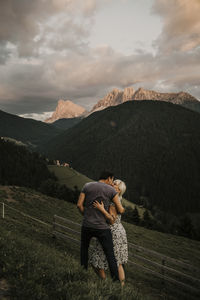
x=106 y=175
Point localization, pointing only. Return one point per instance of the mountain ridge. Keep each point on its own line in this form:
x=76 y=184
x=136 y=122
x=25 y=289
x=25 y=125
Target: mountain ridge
x=152 y=145
x=68 y=110
x=116 y=97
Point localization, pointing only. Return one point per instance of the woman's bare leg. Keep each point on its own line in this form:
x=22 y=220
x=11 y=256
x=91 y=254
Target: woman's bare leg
x=121 y=274
x=100 y=272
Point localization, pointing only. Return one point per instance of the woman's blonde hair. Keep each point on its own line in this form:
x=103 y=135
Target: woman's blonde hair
x=121 y=185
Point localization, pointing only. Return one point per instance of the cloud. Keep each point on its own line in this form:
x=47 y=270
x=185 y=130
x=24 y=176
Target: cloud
x=40 y=117
x=33 y=25
x=45 y=55
x=181 y=25
x=84 y=78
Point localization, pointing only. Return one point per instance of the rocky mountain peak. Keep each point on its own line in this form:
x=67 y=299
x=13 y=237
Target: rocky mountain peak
x=142 y=94
x=66 y=109
x=113 y=98
x=175 y=98
x=185 y=97
x=128 y=94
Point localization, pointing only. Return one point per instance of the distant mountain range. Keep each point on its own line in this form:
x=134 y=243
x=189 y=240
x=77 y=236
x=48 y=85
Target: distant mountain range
x=129 y=94
x=67 y=109
x=152 y=145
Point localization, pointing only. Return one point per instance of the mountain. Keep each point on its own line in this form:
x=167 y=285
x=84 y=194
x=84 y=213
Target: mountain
x=28 y=131
x=152 y=145
x=72 y=113
x=181 y=98
x=113 y=98
x=175 y=98
x=66 y=109
x=116 y=97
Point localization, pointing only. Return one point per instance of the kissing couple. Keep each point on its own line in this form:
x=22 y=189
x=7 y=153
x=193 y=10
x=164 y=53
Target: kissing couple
x=100 y=204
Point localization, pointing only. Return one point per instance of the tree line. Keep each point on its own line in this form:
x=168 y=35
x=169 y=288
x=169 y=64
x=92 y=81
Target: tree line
x=164 y=222
x=19 y=166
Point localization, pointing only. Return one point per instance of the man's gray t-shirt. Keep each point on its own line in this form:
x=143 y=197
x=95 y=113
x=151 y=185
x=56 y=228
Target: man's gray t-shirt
x=99 y=191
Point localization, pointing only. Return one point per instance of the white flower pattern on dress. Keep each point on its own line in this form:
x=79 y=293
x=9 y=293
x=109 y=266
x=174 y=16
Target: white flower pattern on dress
x=96 y=254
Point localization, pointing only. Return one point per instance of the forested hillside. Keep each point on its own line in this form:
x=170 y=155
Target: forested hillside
x=153 y=146
x=66 y=123
x=19 y=166
x=28 y=131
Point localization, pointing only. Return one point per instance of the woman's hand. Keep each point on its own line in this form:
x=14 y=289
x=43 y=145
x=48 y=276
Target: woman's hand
x=99 y=206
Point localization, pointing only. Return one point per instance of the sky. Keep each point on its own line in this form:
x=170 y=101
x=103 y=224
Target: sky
x=80 y=50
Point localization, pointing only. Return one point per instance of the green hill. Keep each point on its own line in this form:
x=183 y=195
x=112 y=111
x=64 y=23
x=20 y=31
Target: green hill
x=35 y=266
x=72 y=178
x=66 y=123
x=69 y=176
x=28 y=131
x=153 y=146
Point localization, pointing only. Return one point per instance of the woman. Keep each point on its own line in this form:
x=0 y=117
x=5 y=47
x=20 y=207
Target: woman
x=97 y=257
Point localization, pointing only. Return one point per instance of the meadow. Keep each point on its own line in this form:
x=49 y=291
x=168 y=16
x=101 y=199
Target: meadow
x=37 y=266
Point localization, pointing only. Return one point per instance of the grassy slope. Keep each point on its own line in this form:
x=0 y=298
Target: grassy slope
x=35 y=263
x=71 y=177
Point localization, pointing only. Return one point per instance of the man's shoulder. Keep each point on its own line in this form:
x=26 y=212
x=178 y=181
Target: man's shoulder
x=89 y=184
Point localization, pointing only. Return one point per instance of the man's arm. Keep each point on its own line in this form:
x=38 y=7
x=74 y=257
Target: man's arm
x=81 y=202
x=119 y=207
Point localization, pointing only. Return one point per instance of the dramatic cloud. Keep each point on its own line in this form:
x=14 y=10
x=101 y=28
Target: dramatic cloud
x=178 y=46
x=32 y=26
x=45 y=54
x=181 y=29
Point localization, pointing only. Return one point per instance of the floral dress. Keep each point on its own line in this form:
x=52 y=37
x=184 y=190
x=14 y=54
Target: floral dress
x=97 y=257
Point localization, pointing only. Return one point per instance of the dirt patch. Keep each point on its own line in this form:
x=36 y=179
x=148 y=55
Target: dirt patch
x=4 y=289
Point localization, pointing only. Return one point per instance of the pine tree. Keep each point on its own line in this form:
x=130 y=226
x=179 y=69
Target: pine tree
x=186 y=227
x=135 y=216
x=147 y=219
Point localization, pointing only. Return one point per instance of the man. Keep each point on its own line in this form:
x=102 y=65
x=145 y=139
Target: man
x=94 y=222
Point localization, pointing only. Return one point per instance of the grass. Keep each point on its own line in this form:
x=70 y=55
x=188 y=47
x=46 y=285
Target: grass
x=37 y=266
x=69 y=176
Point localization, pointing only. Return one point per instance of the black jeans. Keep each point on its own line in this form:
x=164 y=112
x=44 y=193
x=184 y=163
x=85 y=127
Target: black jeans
x=105 y=238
